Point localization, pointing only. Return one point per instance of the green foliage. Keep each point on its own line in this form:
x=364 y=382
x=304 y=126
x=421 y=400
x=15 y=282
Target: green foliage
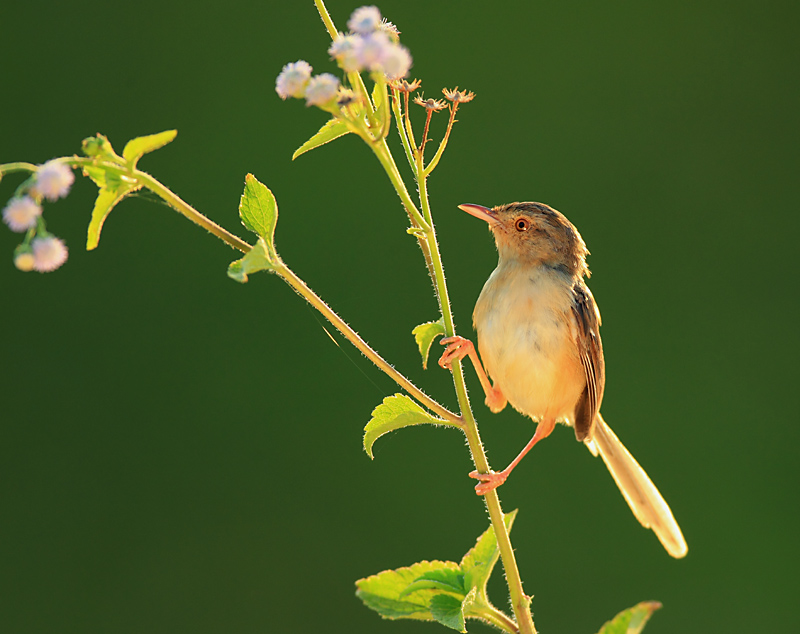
x=396 y=412
x=115 y=175
x=478 y=563
x=258 y=210
x=632 y=620
x=109 y=195
x=136 y=148
x=424 y=334
x=440 y=591
x=333 y=129
x=256 y=259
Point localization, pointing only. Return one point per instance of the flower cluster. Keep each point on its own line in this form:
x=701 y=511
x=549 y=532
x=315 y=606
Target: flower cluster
x=40 y=250
x=372 y=45
x=296 y=81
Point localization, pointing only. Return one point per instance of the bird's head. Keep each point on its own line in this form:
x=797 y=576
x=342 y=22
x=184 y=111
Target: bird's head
x=532 y=234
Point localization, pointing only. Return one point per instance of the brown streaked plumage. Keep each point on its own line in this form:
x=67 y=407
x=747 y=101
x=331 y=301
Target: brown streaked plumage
x=539 y=337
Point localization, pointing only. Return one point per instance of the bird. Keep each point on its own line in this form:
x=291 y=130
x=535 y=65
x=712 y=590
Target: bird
x=538 y=329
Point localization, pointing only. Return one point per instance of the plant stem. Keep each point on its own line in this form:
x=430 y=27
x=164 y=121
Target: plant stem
x=520 y=603
x=499 y=619
x=166 y=194
x=174 y=201
x=312 y=298
x=326 y=19
x=7 y=168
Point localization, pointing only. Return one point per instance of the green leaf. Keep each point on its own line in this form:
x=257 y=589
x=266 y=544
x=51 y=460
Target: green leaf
x=396 y=412
x=424 y=335
x=632 y=620
x=446 y=609
x=256 y=259
x=332 y=130
x=135 y=148
x=258 y=210
x=472 y=606
x=444 y=579
x=107 y=199
x=385 y=594
x=478 y=563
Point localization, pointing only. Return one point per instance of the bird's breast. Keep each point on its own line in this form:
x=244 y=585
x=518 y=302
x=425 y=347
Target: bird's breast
x=527 y=340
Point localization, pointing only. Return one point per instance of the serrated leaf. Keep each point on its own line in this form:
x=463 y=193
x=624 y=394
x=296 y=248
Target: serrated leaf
x=478 y=563
x=446 y=609
x=332 y=130
x=396 y=412
x=384 y=592
x=258 y=210
x=107 y=199
x=136 y=148
x=632 y=620
x=444 y=579
x=256 y=259
x=424 y=334
x=471 y=605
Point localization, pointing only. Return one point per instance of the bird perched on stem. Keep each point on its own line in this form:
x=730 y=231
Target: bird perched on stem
x=539 y=337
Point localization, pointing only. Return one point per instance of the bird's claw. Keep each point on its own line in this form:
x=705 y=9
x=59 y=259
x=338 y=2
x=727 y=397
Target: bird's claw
x=457 y=348
x=488 y=481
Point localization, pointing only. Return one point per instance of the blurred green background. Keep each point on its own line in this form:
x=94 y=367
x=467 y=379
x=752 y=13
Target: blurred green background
x=180 y=453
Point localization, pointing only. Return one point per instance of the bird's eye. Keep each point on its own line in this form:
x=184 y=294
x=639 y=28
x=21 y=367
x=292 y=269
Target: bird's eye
x=522 y=224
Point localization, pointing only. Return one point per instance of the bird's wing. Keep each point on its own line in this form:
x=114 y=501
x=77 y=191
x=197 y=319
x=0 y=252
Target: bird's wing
x=590 y=351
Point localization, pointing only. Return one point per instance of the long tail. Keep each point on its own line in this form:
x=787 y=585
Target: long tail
x=639 y=491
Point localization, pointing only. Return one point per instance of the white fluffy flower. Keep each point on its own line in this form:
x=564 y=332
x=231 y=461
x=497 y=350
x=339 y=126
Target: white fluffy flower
x=321 y=89
x=364 y=20
x=53 y=180
x=293 y=79
x=396 y=62
x=372 y=49
x=48 y=253
x=20 y=214
x=343 y=50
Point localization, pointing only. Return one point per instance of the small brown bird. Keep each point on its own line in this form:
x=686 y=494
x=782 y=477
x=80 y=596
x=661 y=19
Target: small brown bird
x=539 y=336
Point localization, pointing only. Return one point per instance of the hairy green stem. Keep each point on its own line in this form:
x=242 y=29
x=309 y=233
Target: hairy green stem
x=499 y=619
x=21 y=166
x=401 y=130
x=190 y=212
x=352 y=336
x=520 y=603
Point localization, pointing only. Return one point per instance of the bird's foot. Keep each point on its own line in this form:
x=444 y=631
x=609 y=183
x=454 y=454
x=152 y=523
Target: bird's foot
x=488 y=481
x=457 y=348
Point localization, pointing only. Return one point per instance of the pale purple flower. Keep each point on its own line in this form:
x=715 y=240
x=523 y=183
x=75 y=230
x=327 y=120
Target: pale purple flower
x=371 y=50
x=293 y=79
x=21 y=214
x=343 y=50
x=321 y=89
x=364 y=20
x=53 y=180
x=24 y=261
x=396 y=62
x=48 y=253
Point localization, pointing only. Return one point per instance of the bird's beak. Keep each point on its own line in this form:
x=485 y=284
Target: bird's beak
x=480 y=212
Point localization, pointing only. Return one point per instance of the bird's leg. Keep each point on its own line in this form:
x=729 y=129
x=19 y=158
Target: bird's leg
x=490 y=481
x=458 y=348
